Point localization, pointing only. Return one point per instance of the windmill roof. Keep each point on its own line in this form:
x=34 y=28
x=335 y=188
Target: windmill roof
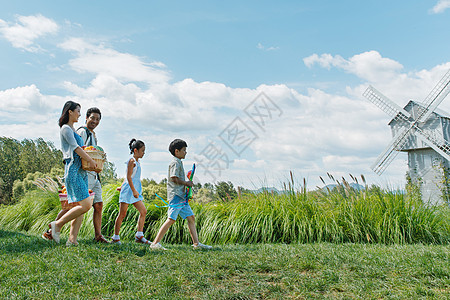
x=441 y=113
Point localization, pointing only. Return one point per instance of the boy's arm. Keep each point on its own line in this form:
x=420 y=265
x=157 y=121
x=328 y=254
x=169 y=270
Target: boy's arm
x=182 y=182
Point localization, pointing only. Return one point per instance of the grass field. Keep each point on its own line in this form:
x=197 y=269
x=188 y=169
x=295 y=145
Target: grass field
x=32 y=268
x=340 y=244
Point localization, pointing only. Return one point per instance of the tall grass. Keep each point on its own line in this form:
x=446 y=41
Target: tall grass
x=344 y=214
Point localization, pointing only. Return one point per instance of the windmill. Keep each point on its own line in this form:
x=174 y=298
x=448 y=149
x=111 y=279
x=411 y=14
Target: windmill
x=421 y=131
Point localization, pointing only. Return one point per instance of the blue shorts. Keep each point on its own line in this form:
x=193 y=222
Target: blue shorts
x=179 y=207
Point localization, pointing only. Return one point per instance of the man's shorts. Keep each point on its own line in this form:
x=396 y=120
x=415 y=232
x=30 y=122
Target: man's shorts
x=179 y=207
x=96 y=187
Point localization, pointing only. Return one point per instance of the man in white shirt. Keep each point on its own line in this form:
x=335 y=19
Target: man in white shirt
x=93 y=117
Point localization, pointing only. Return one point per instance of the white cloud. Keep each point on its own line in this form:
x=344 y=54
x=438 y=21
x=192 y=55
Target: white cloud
x=441 y=6
x=28 y=29
x=368 y=65
x=98 y=59
x=265 y=48
x=26 y=99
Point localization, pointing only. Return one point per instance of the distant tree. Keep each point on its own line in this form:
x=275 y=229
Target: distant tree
x=9 y=167
x=149 y=193
x=225 y=190
x=108 y=174
x=17 y=159
x=208 y=186
x=204 y=195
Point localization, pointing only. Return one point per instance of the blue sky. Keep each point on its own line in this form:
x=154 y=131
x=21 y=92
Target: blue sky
x=163 y=70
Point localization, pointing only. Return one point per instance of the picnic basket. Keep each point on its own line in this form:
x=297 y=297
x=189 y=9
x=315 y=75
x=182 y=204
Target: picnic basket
x=65 y=202
x=98 y=156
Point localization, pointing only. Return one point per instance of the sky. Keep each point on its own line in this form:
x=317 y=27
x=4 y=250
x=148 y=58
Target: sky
x=256 y=88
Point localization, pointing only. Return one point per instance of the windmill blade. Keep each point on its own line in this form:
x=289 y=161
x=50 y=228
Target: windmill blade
x=439 y=145
x=435 y=97
x=391 y=151
x=385 y=104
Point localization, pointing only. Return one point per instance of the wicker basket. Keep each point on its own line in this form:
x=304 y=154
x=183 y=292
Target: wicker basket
x=65 y=202
x=98 y=156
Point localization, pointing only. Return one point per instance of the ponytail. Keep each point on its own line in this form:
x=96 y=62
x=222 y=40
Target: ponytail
x=135 y=144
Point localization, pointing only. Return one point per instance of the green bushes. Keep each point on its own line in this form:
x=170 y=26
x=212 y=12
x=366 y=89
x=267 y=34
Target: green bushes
x=343 y=214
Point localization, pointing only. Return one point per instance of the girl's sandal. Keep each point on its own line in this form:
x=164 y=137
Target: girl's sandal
x=142 y=240
x=117 y=242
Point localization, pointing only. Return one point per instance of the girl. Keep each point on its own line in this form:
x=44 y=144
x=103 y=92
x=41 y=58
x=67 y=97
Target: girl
x=131 y=193
x=74 y=176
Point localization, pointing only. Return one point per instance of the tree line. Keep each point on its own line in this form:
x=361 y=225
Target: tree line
x=20 y=158
x=22 y=162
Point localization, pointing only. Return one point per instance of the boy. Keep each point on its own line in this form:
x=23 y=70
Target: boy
x=176 y=195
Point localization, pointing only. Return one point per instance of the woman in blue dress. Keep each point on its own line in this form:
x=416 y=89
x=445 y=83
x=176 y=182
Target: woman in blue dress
x=75 y=177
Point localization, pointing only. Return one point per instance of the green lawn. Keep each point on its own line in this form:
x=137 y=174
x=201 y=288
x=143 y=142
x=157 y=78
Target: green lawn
x=31 y=268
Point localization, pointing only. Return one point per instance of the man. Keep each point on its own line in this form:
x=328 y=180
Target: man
x=93 y=117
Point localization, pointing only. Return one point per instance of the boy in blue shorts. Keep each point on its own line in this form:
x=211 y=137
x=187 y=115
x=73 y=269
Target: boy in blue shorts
x=176 y=194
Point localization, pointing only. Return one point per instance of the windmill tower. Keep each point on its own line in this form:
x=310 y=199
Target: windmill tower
x=424 y=133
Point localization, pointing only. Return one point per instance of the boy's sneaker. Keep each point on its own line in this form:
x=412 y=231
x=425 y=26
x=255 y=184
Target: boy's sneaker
x=157 y=246
x=201 y=246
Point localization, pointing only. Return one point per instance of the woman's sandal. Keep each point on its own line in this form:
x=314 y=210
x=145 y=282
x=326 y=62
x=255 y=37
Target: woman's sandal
x=142 y=240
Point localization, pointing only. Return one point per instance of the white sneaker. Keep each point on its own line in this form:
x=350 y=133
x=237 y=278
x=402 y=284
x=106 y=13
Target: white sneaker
x=201 y=246
x=55 y=235
x=157 y=246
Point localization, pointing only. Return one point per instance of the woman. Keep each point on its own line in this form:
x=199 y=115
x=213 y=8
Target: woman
x=74 y=176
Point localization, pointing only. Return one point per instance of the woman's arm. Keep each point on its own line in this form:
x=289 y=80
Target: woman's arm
x=85 y=156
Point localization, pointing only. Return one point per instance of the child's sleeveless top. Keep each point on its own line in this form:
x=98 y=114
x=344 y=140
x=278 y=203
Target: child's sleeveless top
x=126 y=194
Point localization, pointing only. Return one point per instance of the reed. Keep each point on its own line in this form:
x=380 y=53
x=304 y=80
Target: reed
x=343 y=214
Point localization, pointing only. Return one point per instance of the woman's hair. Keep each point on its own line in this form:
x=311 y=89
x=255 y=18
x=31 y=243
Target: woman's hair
x=135 y=144
x=70 y=105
